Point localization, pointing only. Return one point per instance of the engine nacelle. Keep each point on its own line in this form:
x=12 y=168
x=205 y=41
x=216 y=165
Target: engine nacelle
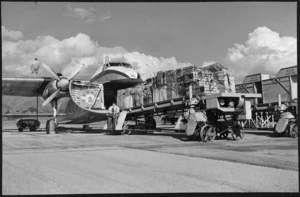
x=51 y=88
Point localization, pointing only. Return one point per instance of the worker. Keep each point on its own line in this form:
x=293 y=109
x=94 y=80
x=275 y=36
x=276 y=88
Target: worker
x=112 y=116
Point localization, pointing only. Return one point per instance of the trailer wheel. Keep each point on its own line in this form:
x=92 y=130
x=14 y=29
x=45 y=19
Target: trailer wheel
x=237 y=132
x=208 y=133
x=294 y=130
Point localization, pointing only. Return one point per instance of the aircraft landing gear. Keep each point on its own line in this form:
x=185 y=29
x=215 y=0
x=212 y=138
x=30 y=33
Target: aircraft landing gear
x=50 y=126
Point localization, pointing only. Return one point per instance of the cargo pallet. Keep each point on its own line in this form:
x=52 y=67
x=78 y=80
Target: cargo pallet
x=209 y=116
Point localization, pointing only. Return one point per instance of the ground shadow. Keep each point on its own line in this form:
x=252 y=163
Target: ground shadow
x=263 y=133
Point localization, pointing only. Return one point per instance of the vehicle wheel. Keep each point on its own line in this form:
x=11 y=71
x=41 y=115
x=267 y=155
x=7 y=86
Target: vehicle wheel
x=294 y=131
x=150 y=123
x=237 y=132
x=20 y=129
x=208 y=133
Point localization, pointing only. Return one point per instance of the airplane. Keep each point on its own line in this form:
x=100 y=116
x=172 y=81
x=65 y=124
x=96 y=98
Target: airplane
x=80 y=101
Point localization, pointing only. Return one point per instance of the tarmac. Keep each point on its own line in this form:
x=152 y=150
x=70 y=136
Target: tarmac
x=77 y=162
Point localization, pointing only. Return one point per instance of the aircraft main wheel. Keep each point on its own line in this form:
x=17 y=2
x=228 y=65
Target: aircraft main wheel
x=237 y=132
x=294 y=131
x=85 y=127
x=208 y=133
x=50 y=127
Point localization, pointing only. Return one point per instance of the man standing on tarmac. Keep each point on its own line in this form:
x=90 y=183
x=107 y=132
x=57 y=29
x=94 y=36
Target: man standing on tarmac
x=112 y=116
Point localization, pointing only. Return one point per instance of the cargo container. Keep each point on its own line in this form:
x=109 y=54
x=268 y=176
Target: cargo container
x=284 y=83
x=276 y=90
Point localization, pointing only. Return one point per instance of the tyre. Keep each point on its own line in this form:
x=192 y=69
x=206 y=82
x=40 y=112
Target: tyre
x=293 y=131
x=208 y=133
x=50 y=126
x=237 y=132
x=20 y=129
x=150 y=123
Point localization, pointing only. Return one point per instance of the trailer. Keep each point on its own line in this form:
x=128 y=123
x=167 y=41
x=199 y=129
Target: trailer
x=202 y=117
x=279 y=94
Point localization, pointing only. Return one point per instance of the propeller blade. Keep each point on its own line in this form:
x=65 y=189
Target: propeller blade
x=50 y=71
x=51 y=97
x=75 y=72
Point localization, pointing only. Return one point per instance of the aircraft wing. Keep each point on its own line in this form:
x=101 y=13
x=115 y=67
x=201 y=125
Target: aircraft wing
x=24 y=86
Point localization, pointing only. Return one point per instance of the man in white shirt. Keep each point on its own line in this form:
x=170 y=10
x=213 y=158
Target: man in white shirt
x=112 y=116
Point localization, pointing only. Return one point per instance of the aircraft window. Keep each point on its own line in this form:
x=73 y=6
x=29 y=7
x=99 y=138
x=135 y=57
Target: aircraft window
x=118 y=64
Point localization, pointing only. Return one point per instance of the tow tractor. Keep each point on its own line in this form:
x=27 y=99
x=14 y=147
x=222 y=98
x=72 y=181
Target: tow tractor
x=32 y=124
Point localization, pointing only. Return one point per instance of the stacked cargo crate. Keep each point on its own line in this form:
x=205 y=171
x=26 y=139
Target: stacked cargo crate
x=167 y=85
x=220 y=79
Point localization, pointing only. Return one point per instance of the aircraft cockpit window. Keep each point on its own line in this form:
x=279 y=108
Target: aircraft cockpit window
x=112 y=64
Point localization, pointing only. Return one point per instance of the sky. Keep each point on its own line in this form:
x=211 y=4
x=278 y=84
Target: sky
x=246 y=37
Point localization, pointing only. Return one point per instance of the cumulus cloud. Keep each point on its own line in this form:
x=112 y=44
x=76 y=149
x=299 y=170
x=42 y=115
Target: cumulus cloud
x=65 y=56
x=88 y=15
x=207 y=63
x=264 y=52
x=10 y=34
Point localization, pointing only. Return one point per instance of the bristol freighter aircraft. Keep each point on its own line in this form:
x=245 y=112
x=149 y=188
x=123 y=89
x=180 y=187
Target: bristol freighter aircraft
x=86 y=101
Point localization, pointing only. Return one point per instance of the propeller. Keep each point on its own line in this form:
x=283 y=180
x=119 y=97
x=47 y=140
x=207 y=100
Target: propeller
x=50 y=98
x=62 y=82
x=47 y=68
